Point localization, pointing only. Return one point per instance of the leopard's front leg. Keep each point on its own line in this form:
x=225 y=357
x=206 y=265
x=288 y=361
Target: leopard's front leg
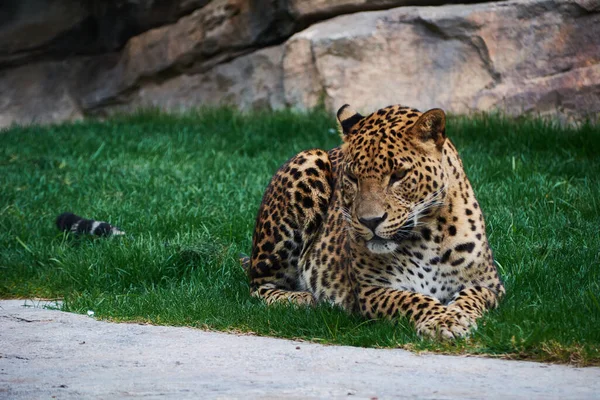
x=293 y=209
x=428 y=314
x=474 y=301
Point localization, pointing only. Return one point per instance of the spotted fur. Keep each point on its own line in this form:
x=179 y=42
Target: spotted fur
x=387 y=224
x=70 y=222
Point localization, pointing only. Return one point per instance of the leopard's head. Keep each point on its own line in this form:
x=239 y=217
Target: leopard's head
x=391 y=173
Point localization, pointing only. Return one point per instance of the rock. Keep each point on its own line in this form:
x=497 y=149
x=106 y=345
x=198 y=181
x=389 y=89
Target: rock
x=301 y=81
x=251 y=81
x=27 y=26
x=538 y=56
x=313 y=10
x=39 y=94
x=216 y=33
x=35 y=30
x=572 y=95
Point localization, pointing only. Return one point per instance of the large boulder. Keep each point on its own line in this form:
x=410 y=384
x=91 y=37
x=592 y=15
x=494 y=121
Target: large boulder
x=535 y=56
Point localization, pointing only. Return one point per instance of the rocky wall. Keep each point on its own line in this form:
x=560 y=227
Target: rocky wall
x=533 y=56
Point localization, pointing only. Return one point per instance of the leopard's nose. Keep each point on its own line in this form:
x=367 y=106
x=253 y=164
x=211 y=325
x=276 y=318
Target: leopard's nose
x=373 y=222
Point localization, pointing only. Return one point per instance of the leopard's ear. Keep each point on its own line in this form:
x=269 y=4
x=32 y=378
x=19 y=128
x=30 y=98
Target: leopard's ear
x=347 y=118
x=431 y=126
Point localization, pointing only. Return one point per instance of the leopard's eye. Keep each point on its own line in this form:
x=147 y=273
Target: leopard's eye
x=398 y=176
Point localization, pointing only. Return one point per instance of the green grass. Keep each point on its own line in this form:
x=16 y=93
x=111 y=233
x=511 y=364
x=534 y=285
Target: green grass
x=186 y=190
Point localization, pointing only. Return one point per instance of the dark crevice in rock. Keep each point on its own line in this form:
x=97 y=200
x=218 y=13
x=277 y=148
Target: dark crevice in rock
x=277 y=23
x=479 y=44
x=588 y=6
x=433 y=28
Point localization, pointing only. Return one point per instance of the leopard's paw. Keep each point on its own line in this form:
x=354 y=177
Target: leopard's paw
x=292 y=298
x=453 y=323
x=302 y=299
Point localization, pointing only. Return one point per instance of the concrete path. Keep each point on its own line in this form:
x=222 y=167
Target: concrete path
x=51 y=354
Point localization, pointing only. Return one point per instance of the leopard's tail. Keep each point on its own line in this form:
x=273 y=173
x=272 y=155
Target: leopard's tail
x=244 y=261
x=70 y=222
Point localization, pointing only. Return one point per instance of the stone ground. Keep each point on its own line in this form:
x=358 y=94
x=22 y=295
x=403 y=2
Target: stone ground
x=51 y=354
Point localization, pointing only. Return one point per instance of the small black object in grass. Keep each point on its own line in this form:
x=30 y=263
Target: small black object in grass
x=70 y=222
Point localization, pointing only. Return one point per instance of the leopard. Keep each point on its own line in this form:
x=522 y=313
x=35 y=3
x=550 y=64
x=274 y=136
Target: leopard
x=386 y=225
